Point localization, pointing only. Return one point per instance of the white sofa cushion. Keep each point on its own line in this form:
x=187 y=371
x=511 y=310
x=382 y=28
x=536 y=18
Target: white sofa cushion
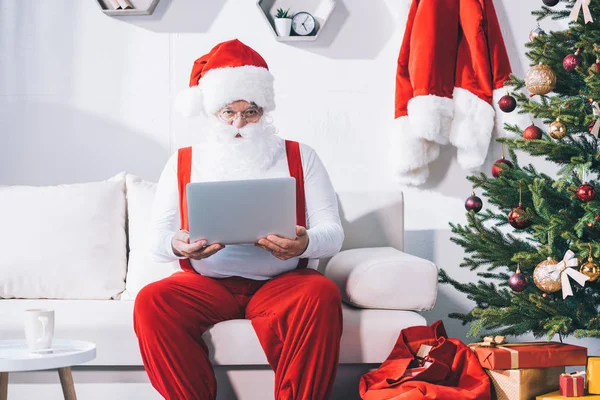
x=141 y=268
x=64 y=241
x=384 y=278
x=368 y=335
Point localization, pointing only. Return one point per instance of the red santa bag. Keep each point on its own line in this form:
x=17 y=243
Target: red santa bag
x=426 y=364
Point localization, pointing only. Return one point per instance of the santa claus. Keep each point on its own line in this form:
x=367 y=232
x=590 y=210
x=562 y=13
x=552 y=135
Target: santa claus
x=295 y=311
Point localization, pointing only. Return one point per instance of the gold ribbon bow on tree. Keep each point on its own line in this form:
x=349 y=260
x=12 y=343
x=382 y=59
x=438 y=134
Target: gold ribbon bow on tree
x=596 y=110
x=564 y=269
x=587 y=15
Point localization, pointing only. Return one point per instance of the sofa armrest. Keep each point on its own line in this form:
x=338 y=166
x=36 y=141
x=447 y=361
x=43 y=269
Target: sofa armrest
x=384 y=278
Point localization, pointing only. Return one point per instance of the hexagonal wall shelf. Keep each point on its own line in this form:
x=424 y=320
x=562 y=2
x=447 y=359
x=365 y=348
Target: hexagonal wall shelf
x=140 y=7
x=320 y=9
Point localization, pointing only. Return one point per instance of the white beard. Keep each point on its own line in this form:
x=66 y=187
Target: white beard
x=229 y=158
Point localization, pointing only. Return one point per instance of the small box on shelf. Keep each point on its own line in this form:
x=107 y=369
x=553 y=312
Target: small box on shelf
x=127 y=7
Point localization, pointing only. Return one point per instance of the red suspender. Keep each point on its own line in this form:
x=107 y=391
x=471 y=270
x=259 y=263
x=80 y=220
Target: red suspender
x=184 y=172
x=295 y=165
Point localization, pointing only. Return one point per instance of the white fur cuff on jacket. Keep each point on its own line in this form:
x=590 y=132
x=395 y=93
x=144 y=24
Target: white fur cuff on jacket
x=410 y=156
x=471 y=128
x=430 y=117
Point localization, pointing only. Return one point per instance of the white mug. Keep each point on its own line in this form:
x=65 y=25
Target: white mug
x=39 y=329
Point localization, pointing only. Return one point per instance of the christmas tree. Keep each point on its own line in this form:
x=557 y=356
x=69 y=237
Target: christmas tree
x=541 y=241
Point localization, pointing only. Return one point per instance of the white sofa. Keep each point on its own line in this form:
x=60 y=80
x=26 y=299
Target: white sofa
x=382 y=287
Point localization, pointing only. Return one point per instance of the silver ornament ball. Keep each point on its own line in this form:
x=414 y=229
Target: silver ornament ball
x=537 y=32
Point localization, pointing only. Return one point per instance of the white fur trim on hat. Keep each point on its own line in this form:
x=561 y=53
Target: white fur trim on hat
x=430 y=117
x=410 y=155
x=471 y=128
x=222 y=86
x=188 y=102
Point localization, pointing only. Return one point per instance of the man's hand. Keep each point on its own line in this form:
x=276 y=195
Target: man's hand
x=284 y=248
x=196 y=251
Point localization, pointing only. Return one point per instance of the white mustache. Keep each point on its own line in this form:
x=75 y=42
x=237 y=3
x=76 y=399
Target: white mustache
x=229 y=132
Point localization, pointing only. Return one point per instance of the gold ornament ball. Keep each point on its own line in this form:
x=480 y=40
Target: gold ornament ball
x=542 y=278
x=558 y=129
x=540 y=79
x=590 y=269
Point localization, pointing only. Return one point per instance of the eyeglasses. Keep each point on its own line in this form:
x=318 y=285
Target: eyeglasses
x=250 y=115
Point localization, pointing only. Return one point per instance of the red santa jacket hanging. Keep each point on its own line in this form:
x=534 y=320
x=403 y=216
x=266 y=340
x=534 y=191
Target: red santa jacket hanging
x=452 y=65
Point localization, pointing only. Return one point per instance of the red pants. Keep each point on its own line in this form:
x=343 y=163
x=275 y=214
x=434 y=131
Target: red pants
x=297 y=317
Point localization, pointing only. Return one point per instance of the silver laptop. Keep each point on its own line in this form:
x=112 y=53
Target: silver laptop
x=241 y=212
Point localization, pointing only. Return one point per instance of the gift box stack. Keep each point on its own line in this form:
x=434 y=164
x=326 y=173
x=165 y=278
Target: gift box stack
x=573 y=386
x=522 y=371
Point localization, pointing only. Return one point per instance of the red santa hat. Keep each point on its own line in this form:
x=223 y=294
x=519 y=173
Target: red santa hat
x=231 y=71
x=451 y=67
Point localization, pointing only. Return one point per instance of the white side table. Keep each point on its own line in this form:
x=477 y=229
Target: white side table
x=16 y=357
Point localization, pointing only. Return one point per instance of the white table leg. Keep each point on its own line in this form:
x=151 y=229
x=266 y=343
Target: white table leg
x=3 y=385
x=66 y=381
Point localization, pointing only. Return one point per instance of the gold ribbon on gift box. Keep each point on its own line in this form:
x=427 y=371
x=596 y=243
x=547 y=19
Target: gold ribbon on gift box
x=574 y=376
x=492 y=341
x=500 y=343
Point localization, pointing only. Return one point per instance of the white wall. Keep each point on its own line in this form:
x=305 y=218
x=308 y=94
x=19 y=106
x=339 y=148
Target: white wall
x=84 y=96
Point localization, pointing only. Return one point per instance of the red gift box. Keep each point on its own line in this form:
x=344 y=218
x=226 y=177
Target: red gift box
x=571 y=385
x=529 y=355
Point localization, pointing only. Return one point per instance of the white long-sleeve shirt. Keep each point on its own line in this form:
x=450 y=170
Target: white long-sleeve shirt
x=324 y=228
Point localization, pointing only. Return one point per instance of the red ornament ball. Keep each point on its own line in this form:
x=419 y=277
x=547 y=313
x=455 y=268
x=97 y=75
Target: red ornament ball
x=532 y=132
x=507 y=103
x=586 y=193
x=544 y=295
x=550 y=3
x=517 y=219
x=497 y=169
x=473 y=203
x=518 y=281
x=571 y=62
